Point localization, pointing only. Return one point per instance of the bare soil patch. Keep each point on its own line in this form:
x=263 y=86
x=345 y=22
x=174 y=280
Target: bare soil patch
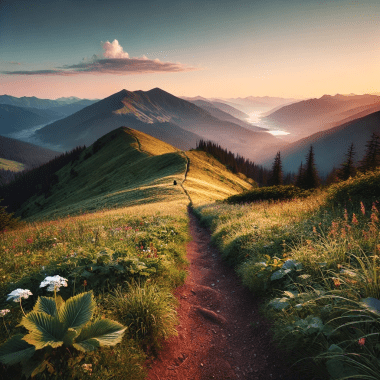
x=221 y=334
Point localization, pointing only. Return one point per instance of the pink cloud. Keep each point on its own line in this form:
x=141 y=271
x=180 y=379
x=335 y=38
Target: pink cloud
x=115 y=61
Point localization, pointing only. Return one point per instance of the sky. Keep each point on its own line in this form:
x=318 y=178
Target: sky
x=212 y=48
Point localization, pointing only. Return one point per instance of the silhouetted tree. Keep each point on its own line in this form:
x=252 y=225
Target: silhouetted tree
x=235 y=163
x=310 y=178
x=275 y=177
x=371 y=159
x=300 y=176
x=347 y=169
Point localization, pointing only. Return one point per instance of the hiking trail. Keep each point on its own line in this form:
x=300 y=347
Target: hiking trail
x=220 y=333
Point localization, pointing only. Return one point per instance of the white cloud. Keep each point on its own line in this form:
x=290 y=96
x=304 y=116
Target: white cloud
x=114 y=50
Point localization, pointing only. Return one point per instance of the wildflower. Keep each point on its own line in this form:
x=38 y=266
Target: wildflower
x=3 y=312
x=374 y=218
x=337 y=283
x=87 y=367
x=362 y=208
x=29 y=241
x=354 y=220
x=345 y=215
x=361 y=342
x=374 y=208
x=314 y=230
x=17 y=294
x=54 y=282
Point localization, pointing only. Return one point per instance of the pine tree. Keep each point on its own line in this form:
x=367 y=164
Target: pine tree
x=300 y=176
x=276 y=176
x=348 y=169
x=310 y=177
x=371 y=159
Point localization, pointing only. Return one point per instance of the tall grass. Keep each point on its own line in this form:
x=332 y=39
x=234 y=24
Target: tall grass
x=317 y=263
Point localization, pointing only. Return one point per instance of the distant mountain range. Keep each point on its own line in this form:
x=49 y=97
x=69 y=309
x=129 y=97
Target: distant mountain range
x=218 y=104
x=330 y=146
x=217 y=112
x=13 y=118
x=23 y=113
x=159 y=114
x=34 y=102
x=304 y=118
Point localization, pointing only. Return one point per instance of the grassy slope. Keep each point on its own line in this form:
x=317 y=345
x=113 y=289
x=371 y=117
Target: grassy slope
x=118 y=174
x=208 y=180
x=334 y=238
x=13 y=166
x=132 y=168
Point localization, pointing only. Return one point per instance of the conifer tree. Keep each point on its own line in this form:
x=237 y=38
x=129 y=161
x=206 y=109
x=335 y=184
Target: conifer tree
x=276 y=176
x=348 y=169
x=300 y=176
x=309 y=176
x=371 y=159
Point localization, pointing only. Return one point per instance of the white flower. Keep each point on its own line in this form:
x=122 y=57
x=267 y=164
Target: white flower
x=53 y=282
x=17 y=294
x=3 y=312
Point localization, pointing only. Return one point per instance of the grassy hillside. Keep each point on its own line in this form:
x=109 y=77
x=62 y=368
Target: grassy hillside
x=315 y=261
x=208 y=180
x=128 y=167
x=113 y=172
x=13 y=166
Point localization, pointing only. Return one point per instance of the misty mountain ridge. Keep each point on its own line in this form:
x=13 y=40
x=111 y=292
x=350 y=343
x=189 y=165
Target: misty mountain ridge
x=25 y=153
x=304 y=118
x=14 y=118
x=330 y=146
x=158 y=113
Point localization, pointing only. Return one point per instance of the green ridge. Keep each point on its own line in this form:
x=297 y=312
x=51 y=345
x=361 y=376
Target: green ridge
x=111 y=173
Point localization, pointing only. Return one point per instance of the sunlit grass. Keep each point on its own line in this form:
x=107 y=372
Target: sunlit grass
x=208 y=180
x=316 y=261
x=13 y=166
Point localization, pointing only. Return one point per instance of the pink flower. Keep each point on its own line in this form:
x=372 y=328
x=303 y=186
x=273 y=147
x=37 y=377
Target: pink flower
x=361 y=342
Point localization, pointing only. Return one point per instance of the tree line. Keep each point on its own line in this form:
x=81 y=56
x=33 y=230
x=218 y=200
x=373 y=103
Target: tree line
x=307 y=176
x=38 y=180
x=238 y=164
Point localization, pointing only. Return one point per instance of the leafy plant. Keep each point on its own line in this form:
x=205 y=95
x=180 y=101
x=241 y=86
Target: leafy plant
x=54 y=323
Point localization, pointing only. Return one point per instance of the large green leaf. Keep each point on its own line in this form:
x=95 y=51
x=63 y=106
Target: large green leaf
x=15 y=350
x=44 y=330
x=68 y=339
x=77 y=311
x=103 y=332
x=45 y=305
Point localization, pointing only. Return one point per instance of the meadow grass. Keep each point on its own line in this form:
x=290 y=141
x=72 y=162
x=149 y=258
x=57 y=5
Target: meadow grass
x=208 y=180
x=129 y=250
x=316 y=263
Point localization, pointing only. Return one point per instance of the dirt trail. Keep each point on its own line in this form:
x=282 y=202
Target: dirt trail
x=216 y=338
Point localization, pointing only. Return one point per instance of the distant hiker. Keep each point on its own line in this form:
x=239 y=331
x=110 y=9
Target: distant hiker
x=174 y=182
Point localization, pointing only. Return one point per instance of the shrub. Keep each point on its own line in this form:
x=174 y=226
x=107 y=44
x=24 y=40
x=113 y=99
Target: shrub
x=269 y=193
